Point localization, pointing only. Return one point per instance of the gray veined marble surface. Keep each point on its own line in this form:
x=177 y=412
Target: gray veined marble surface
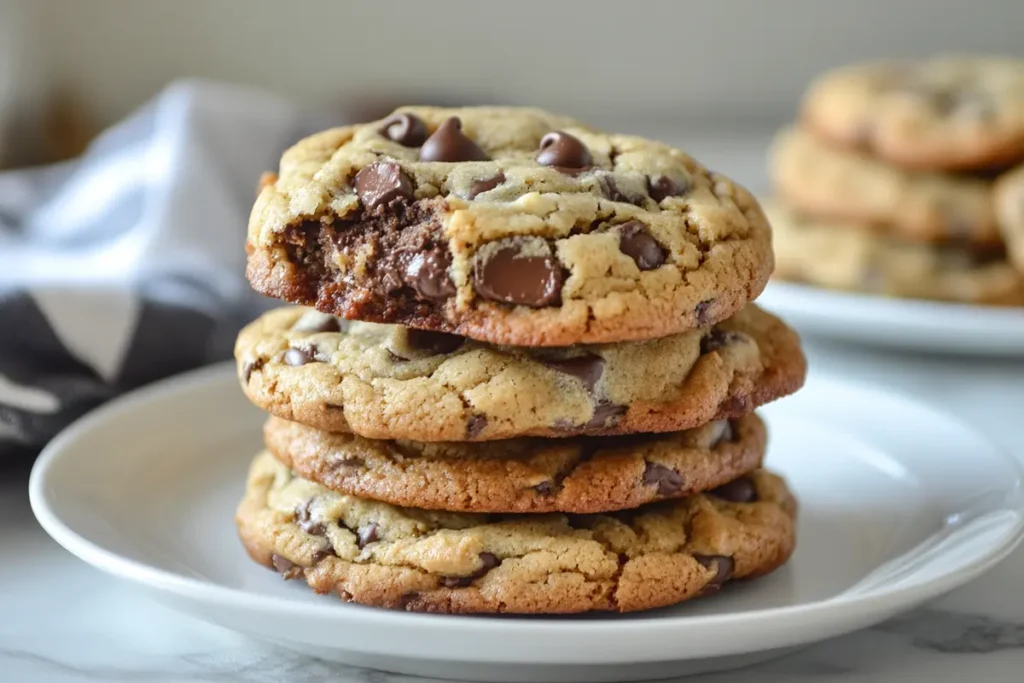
x=64 y=622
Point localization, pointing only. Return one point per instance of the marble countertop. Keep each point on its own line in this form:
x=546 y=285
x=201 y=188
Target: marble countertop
x=65 y=622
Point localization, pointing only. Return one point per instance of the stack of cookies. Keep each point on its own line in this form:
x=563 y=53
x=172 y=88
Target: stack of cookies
x=886 y=184
x=523 y=370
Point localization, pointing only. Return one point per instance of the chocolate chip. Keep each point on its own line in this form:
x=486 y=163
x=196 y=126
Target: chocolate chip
x=662 y=186
x=734 y=406
x=449 y=143
x=668 y=481
x=285 y=567
x=510 y=276
x=610 y=189
x=606 y=415
x=723 y=565
x=716 y=339
x=485 y=185
x=251 y=367
x=488 y=561
x=475 y=425
x=563 y=151
x=306 y=522
x=296 y=356
x=427 y=273
x=405 y=602
x=703 y=312
x=638 y=244
x=405 y=129
x=545 y=488
x=740 y=490
x=382 y=183
x=588 y=368
x=435 y=342
x=315 y=321
x=726 y=433
x=326 y=551
x=366 y=534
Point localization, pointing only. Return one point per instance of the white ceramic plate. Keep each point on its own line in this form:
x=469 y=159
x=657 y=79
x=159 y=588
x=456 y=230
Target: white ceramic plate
x=898 y=504
x=898 y=323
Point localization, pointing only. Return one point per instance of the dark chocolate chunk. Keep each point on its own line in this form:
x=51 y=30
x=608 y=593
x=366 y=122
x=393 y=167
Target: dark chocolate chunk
x=716 y=339
x=285 y=567
x=488 y=561
x=427 y=273
x=638 y=244
x=588 y=368
x=485 y=185
x=740 y=490
x=703 y=311
x=723 y=566
x=366 y=534
x=476 y=425
x=251 y=367
x=509 y=276
x=449 y=143
x=610 y=188
x=563 y=151
x=322 y=553
x=305 y=520
x=435 y=342
x=405 y=129
x=381 y=183
x=668 y=481
x=545 y=488
x=662 y=186
x=296 y=356
x=606 y=415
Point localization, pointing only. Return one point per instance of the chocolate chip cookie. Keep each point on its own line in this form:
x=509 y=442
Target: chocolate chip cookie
x=512 y=226
x=846 y=256
x=1009 y=200
x=956 y=113
x=580 y=475
x=392 y=382
x=824 y=182
x=417 y=560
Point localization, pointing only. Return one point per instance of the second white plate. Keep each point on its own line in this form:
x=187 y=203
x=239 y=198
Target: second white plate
x=898 y=504
x=898 y=323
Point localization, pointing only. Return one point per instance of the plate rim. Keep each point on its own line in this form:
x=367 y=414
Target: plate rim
x=202 y=591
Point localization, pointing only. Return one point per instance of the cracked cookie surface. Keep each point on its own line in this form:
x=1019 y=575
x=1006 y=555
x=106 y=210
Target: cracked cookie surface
x=579 y=475
x=391 y=382
x=403 y=558
x=507 y=225
x=931 y=207
x=948 y=112
x=845 y=256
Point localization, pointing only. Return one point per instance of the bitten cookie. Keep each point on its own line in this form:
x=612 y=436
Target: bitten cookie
x=512 y=226
x=845 y=256
x=392 y=382
x=952 y=112
x=580 y=475
x=403 y=558
x=1009 y=200
x=827 y=183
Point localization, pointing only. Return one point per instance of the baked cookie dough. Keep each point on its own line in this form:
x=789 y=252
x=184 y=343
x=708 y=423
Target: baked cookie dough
x=403 y=558
x=507 y=225
x=392 y=382
x=580 y=475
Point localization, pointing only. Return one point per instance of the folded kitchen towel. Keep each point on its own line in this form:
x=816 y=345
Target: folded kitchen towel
x=128 y=264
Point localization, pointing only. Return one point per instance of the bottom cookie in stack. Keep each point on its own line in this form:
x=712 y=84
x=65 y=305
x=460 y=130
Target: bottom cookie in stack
x=840 y=255
x=700 y=512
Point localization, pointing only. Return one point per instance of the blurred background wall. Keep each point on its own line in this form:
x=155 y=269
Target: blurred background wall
x=681 y=68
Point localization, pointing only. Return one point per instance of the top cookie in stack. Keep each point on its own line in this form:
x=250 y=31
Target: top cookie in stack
x=510 y=226
x=496 y=288
x=886 y=184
